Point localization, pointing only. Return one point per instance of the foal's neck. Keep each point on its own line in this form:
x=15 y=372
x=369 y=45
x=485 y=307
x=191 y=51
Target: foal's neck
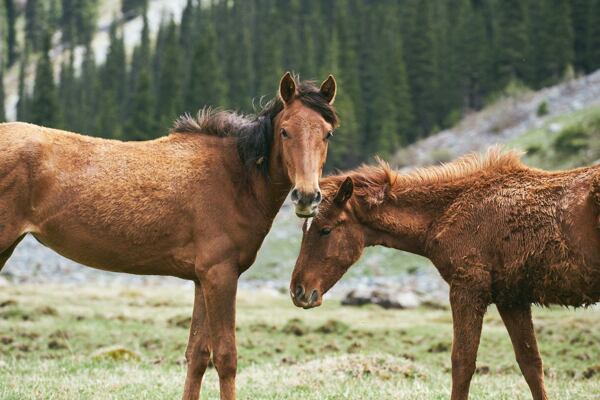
x=404 y=218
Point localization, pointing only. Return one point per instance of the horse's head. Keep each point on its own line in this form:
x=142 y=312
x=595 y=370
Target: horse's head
x=331 y=244
x=302 y=131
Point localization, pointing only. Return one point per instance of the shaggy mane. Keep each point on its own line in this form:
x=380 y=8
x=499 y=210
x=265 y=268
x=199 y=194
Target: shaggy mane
x=254 y=132
x=368 y=176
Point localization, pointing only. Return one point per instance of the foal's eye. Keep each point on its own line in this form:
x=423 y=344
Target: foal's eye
x=325 y=231
x=284 y=133
x=328 y=135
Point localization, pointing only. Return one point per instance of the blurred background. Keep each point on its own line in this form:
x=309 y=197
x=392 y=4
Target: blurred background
x=420 y=82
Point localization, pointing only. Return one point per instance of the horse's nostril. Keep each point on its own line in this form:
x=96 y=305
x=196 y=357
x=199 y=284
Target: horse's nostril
x=299 y=291
x=314 y=295
x=295 y=195
x=317 y=198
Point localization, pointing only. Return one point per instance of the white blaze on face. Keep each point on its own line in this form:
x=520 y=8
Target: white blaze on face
x=308 y=222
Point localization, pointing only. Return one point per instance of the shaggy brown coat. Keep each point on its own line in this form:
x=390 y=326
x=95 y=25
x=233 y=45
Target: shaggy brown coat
x=496 y=230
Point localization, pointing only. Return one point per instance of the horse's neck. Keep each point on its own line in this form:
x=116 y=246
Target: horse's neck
x=403 y=221
x=269 y=192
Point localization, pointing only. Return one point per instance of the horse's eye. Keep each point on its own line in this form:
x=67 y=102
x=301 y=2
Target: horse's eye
x=284 y=133
x=328 y=135
x=325 y=231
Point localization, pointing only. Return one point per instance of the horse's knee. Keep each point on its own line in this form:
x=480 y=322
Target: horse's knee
x=197 y=355
x=226 y=363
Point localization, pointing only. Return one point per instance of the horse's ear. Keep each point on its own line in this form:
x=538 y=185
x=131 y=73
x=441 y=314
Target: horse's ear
x=344 y=192
x=287 y=88
x=329 y=89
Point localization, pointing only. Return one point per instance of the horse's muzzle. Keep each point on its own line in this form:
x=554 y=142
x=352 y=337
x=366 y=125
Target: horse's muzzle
x=305 y=300
x=306 y=204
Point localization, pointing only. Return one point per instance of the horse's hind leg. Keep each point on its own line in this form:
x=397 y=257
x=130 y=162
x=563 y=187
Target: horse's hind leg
x=6 y=252
x=519 y=324
x=197 y=354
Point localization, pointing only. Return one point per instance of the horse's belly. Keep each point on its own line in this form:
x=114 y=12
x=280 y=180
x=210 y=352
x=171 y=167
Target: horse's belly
x=565 y=283
x=119 y=255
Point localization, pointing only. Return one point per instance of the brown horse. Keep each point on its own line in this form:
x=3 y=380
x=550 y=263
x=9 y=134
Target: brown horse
x=497 y=231
x=196 y=204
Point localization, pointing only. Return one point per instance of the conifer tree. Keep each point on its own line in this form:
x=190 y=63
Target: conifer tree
x=35 y=24
x=88 y=94
x=207 y=83
x=44 y=104
x=580 y=22
x=141 y=111
x=11 y=34
x=114 y=80
x=67 y=93
x=512 y=47
x=2 y=111
x=593 y=50
x=22 y=103
x=268 y=55
x=422 y=68
x=168 y=96
x=241 y=74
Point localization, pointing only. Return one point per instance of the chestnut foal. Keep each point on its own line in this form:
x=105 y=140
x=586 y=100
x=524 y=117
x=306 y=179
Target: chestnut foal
x=196 y=204
x=497 y=231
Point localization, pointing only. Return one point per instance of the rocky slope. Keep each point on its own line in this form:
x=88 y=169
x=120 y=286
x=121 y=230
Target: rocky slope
x=503 y=121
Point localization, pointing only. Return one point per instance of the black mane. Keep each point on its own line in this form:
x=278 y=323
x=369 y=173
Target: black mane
x=254 y=132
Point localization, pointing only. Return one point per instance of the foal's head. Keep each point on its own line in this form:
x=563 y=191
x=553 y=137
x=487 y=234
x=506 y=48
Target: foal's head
x=302 y=131
x=330 y=245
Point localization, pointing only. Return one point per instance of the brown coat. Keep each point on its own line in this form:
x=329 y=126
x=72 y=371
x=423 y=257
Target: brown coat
x=496 y=230
x=195 y=204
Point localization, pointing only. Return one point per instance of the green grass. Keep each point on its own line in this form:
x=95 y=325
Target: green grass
x=49 y=336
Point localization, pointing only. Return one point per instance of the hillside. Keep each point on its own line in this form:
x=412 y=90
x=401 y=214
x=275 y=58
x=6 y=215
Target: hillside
x=528 y=120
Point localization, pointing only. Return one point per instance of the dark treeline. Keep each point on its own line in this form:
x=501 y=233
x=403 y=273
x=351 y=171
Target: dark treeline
x=404 y=68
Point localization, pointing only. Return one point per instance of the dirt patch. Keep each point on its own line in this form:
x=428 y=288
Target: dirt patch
x=333 y=326
x=181 y=321
x=296 y=327
x=592 y=372
x=440 y=347
x=7 y=303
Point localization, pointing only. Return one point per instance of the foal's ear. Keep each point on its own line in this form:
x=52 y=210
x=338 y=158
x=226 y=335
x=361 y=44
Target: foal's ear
x=329 y=89
x=287 y=88
x=344 y=192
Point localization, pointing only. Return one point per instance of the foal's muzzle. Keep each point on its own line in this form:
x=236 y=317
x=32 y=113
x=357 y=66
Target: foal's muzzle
x=306 y=204
x=304 y=299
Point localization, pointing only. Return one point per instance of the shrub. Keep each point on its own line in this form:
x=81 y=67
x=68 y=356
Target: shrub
x=572 y=139
x=542 y=109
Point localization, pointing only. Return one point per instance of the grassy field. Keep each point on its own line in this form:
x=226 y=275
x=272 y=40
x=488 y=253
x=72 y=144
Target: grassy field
x=54 y=340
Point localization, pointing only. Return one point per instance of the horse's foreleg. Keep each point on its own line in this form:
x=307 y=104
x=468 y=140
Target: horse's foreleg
x=519 y=325
x=467 y=319
x=197 y=354
x=219 y=284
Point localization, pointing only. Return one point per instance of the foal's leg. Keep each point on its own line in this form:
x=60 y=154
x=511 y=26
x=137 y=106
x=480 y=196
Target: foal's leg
x=197 y=354
x=520 y=328
x=219 y=284
x=467 y=319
